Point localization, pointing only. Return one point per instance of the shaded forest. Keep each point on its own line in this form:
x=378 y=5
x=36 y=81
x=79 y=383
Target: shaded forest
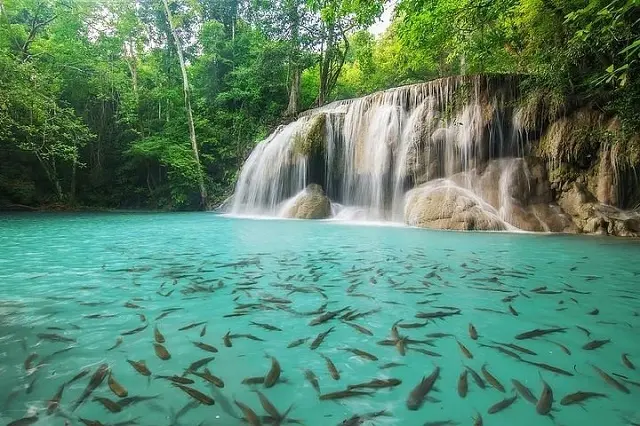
x=155 y=104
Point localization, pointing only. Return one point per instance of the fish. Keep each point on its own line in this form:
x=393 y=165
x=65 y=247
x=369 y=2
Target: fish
x=249 y=415
x=513 y=311
x=503 y=350
x=199 y=363
x=132 y=305
x=561 y=346
x=203 y=331
x=476 y=377
x=131 y=400
x=157 y=335
x=437 y=314
x=206 y=375
x=298 y=342
x=439 y=335
x=110 y=405
x=195 y=394
x=463 y=383
x=524 y=391
x=25 y=421
x=177 y=379
x=331 y=367
x=361 y=354
x=140 y=367
x=594 y=312
x=192 y=325
x=116 y=387
x=343 y=394
x=205 y=347
x=464 y=350
x=29 y=360
x=377 y=384
x=227 y=339
x=627 y=362
x=473 y=333
x=90 y=422
x=491 y=378
x=418 y=394
x=543 y=407
x=326 y=316
x=359 y=328
x=54 y=402
x=161 y=351
x=610 y=380
x=539 y=332
x=499 y=406
x=119 y=341
x=135 y=330
x=579 y=397
x=274 y=373
x=595 y=344
x=268 y=407
x=78 y=376
x=517 y=348
x=268 y=327
x=426 y=352
x=549 y=368
x=94 y=382
x=53 y=337
x=313 y=379
x=359 y=419
x=320 y=338
x=391 y=365
x=167 y=312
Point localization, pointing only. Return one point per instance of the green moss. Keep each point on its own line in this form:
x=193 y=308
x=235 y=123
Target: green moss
x=311 y=140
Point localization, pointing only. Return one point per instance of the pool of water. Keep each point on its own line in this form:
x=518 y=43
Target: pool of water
x=73 y=285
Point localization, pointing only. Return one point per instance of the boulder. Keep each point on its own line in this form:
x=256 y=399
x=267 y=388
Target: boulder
x=443 y=205
x=311 y=203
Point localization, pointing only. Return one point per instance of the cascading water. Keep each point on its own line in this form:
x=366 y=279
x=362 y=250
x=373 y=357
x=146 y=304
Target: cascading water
x=454 y=134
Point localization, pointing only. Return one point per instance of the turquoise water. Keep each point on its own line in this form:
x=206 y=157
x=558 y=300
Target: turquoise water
x=72 y=275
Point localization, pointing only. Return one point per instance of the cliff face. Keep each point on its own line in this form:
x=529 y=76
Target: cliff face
x=456 y=153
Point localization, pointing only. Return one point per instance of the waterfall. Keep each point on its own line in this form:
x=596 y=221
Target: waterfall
x=368 y=153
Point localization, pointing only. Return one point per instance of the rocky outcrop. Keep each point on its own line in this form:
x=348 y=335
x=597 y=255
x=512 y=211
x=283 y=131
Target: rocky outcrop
x=443 y=205
x=312 y=203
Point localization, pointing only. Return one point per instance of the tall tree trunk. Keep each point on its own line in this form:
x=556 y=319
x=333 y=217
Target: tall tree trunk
x=294 y=59
x=294 y=93
x=325 y=63
x=187 y=104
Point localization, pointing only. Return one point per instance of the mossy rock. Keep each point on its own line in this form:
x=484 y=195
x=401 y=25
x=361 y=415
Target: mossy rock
x=312 y=203
x=311 y=139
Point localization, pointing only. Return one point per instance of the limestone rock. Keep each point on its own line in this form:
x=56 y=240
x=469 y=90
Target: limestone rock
x=312 y=203
x=443 y=205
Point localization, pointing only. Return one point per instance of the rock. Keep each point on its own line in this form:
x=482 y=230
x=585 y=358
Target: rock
x=311 y=139
x=443 y=205
x=311 y=203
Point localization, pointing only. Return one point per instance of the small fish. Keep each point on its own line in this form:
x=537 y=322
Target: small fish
x=131 y=400
x=426 y=352
x=464 y=350
x=331 y=367
x=473 y=333
x=192 y=325
x=94 y=382
x=513 y=311
x=140 y=367
x=477 y=420
x=499 y=406
x=249 y=415
x=587 y=332
x=203 y=331
x=418 y=394
x=54 y=403
x=463 y=383
x=476 y=377
x=205 y=347
x=525 y=392
x=539 y=332
x=439 y=335
x=268 y=407
x=25 y=421
x=595 y=344
x=52 y=337
x=78 y=376
x=135 y=330
x=195 y=394
x=549 y=368
x=377 y=384
x=343 y=394
x=161 y=351
x=627 y=362
x=110 y=405
x=491 y=378
x=268 y=327
x=543 y=407
x=361 y=354
x=359 y=419
x=391 y=365
x=359 y=328
x=320 y=338
x=561 y=346
x=298 y=342
x=610 y=380
x=157 y=335
x=119 y=341
x=199 y=363
x=29 y=360
x=274 y=373
x=594 y=312
x=313 y=379
x=578 y=397
x=177 y=379
x=116 y=387
x=132 y=305
x=226 y=339
x=517 y=348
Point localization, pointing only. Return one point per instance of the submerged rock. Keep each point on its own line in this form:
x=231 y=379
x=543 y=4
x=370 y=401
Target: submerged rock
x=443 y=205
x=311 y=203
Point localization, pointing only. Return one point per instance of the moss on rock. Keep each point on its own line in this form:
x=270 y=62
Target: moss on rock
x=311 y=139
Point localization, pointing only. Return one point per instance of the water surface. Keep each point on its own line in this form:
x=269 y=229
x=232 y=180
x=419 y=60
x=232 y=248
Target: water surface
x=91 y=277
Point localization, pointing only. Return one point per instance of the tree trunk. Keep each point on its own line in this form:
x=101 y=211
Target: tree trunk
x=294 y=94
x=187 y=104
x=294 y=60
x=325 y=63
